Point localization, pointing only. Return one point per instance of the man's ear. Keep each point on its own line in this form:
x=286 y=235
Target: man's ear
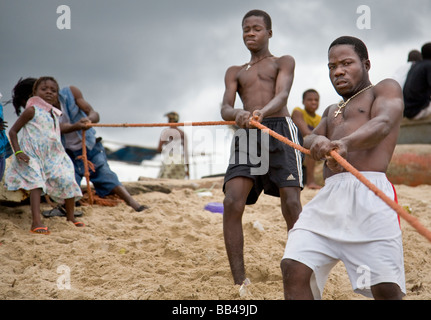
x=367 y=64
x=270 y=33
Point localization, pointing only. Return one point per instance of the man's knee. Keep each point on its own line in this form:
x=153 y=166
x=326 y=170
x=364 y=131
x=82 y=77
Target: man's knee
x=296 y=279
x=291 y=197
x=295 y=272
x=291 y=269
x=233 y=206
x=284 y=266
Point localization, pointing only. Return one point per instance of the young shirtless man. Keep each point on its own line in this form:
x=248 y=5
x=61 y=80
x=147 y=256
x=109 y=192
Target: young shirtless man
x=263 y=85
x=345 y=220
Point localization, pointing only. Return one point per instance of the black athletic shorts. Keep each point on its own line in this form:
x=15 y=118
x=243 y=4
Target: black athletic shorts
x=270 y=163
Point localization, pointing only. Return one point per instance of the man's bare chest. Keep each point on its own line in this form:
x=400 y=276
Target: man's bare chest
x=342 y=122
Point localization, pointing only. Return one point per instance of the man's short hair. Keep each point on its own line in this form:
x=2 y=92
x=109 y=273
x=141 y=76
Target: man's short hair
x=414 y=55
x=359 y=47
x=309 y=91
x=259 y=13
x=173 y=116
x=426 y=51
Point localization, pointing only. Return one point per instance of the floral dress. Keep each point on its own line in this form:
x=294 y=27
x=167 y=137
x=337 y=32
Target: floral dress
x=49 y=168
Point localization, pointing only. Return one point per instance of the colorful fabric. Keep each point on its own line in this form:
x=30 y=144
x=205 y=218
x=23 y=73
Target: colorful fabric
x=38 y=101
x=5 y=148
x=49 y=168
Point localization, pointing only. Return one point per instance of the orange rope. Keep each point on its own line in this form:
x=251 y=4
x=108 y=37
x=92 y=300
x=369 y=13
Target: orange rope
x=414 y=222
x=279 y=136
x=395 y=206
x=165 y=124
x=86 y=172
x=108 y=201
x=93 y=198
x=343 y=162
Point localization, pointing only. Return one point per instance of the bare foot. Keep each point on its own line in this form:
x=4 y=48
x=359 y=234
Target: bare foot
x=77 y=223
x=141 y=208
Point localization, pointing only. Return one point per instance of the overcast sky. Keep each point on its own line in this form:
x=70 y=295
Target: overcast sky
x=136 y=60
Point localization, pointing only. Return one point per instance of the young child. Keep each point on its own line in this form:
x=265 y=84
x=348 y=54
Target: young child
x=306 y=120
x=5 y=148
x=41 y=165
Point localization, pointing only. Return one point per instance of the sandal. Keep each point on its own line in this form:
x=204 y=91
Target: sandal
x=59 y=211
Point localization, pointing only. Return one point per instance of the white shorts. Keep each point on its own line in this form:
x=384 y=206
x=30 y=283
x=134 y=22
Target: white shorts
x=367 y=264
x=347 y=222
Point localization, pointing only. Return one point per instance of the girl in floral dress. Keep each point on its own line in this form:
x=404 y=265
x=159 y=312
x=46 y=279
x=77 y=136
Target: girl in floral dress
x=41 y=164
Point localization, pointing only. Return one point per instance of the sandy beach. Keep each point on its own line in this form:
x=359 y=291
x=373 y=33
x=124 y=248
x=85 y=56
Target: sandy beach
x=174 y=250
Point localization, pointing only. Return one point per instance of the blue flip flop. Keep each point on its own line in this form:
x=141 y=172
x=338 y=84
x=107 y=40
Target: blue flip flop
x=58 y=212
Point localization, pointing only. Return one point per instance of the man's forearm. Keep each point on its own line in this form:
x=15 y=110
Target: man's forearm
x=228 y=113
x=309 y=139
x=67 y=128
x=275 y=105
x=94 y=117
x=369 y=135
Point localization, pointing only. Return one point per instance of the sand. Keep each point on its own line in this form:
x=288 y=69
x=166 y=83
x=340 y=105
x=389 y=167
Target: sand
x=174 y=250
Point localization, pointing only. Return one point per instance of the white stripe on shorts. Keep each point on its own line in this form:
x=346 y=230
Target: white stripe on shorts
x=294 y=135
